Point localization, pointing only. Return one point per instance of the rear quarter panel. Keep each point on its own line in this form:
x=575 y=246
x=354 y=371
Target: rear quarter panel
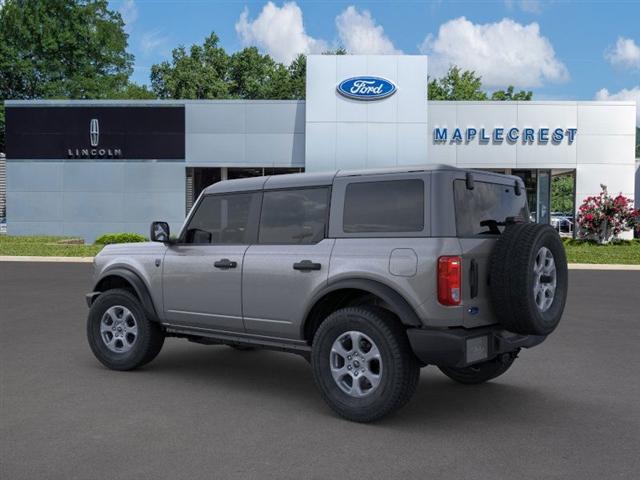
x=374 y=259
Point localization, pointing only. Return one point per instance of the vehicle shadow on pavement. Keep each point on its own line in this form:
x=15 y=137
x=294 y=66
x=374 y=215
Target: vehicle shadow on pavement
x=279 y=377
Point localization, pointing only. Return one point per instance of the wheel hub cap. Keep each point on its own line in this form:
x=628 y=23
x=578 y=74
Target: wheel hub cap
x=118 y=329
x=544 y=279
x=356 y=365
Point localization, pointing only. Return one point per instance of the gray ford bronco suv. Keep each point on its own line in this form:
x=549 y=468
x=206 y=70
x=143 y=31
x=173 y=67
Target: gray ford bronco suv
x=370 y=275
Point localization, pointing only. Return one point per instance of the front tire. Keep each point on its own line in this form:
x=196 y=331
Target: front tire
x=363 y=364
x=120 y=334
x=481 y=372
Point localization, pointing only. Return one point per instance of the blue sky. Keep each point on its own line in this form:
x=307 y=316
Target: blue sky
x=561 y=50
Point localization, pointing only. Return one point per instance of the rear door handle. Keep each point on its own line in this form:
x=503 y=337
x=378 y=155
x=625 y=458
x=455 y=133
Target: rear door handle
x=225 y=263
x=306 y=265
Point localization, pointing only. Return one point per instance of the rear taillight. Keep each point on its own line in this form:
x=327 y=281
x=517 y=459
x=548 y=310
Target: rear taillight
x=449 y=280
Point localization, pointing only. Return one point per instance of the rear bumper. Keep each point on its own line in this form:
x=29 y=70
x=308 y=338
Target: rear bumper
x=460 y=347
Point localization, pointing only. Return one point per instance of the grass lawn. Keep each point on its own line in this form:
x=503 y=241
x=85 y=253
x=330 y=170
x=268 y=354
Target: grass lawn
x=45 y=246
x=577 y=251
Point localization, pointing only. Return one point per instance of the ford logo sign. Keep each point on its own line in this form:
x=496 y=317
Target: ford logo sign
x=366 y=88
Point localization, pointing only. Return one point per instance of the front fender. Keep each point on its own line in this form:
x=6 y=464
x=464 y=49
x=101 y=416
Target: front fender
x=132 y=278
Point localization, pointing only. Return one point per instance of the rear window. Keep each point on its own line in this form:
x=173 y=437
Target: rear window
x=386 y=206
x=487 y=201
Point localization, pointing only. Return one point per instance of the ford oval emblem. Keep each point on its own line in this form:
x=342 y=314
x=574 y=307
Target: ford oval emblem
x=366 y=88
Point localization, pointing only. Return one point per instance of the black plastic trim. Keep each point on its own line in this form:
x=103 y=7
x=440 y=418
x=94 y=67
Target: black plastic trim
x=448 y=347
x=138 y=285
x=398 y=304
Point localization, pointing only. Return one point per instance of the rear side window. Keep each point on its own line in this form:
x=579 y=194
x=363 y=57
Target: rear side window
x=487 y=201
x=385 y=206
x=295 y=217
x=221 y=219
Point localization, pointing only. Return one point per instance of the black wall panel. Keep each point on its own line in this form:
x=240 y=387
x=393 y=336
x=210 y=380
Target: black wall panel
x=144 y=132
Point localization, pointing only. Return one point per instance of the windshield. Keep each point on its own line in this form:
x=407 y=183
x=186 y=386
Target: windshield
x=478 y=210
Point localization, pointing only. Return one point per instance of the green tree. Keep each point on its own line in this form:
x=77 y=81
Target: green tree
x=208 y=72
x=201 y=73
x=298 y=74
x=457 y=85
x=61 y=49
x=256 y=76
x=510 y=95
x=562 y=193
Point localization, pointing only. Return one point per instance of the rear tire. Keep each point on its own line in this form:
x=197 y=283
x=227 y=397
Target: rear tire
x=120 y=334
x=363 y=364
x=481 y=372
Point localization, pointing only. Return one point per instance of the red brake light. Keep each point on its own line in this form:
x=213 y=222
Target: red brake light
x=449 y=281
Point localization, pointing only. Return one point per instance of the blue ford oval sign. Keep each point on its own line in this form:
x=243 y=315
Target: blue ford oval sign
x=366 y=88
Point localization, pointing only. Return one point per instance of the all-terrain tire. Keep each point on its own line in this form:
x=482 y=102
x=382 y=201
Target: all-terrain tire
x=399 y=373
x=481 y=372
x=149 y=337
x=513 y=280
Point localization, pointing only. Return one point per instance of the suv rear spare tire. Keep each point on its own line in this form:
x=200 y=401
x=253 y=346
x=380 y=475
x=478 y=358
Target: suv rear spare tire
x=528 y=278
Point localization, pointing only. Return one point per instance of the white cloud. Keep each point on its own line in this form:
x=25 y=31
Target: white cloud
x=626 y=53
x=360 y=34
x=278 y=31
x=504 y=53
x=151 y=41
x=632 y=94
x=129 y=13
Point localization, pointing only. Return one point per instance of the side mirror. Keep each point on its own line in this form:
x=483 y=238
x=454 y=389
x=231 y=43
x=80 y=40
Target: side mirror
x=160 y=232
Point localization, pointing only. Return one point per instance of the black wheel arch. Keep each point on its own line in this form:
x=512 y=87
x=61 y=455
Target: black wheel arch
x=113 y=278
x=393 y=301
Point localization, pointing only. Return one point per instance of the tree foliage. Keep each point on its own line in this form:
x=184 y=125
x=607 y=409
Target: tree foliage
x=562 y=193
x=510 y=95
x=63 y=49
x=207 y=72
x=458 y=84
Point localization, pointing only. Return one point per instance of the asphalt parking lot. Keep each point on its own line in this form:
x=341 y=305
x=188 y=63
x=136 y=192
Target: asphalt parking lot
x=567 y=409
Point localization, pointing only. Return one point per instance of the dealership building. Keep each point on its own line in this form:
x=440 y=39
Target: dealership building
x=83 y=168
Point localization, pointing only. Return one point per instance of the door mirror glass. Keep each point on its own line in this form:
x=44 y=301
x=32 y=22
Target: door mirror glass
x=160 y=232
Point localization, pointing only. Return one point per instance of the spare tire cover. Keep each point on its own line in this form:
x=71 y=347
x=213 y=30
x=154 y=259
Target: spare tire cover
x=528 y=278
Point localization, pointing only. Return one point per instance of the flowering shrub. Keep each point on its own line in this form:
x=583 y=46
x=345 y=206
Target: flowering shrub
x=604 y=217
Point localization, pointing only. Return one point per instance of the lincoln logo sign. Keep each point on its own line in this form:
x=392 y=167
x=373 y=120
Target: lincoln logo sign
x=94 y=151
x=366 y=88
x=94 y=132
x=510 y=135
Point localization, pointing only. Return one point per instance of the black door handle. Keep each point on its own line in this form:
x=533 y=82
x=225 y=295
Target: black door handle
x=225 y=263
x=306 y=265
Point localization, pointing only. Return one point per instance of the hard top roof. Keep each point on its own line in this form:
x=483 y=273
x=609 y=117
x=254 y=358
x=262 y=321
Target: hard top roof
x=291 y=180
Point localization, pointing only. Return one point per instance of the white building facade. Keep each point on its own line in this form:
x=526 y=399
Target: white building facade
x=83 y=168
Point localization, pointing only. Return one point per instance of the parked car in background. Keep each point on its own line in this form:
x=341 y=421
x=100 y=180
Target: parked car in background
x=563 y=223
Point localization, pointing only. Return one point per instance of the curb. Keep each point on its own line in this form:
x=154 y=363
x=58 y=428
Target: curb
x=572 y=266
x=8 y=258
x=602 y=266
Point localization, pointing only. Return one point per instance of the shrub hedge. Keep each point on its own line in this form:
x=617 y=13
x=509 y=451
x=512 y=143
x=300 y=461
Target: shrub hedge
x=109 y=238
